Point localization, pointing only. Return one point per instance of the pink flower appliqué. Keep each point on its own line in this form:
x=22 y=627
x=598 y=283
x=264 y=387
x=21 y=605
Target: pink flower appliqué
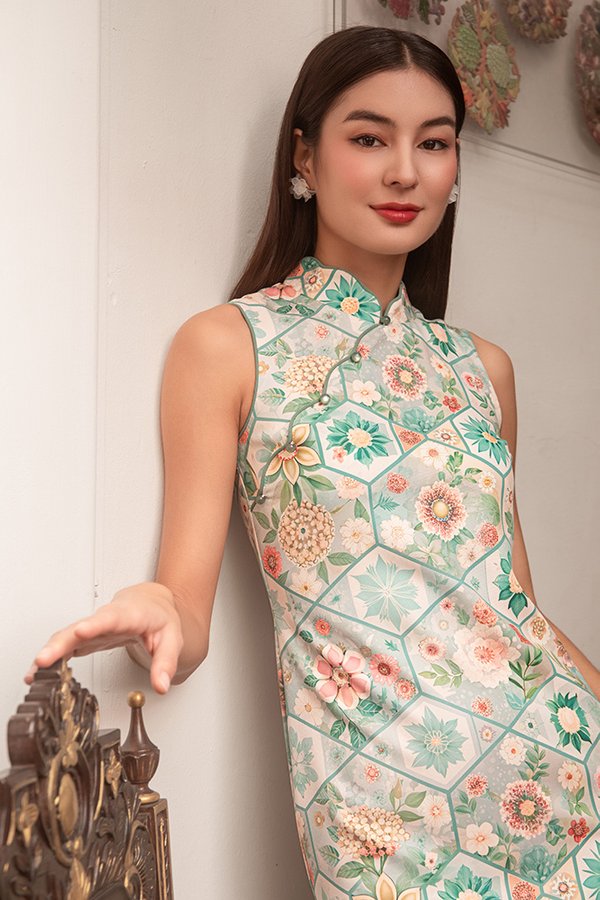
x=340 y=677
x=281 y=291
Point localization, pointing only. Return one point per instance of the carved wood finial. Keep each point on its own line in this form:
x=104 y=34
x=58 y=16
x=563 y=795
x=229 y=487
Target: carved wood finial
x=140 y=755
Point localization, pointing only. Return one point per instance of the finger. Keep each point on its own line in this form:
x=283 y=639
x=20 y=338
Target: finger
x=165 y=658
x=104 y=621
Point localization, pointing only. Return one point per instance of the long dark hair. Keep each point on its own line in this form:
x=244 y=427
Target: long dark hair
x=289 y=229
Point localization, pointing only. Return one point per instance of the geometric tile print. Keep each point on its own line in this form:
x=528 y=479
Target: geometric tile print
x=441 y=743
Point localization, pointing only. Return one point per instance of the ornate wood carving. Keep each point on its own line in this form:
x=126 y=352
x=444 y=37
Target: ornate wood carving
x=77 y=818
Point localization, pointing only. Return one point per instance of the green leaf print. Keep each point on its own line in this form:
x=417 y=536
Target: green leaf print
x=387 y=591
x=569 y=720
x=301 y=756
x=467 y=884
x=330 y=854
x=351 y=297
x=484 y=435
x=593 y=867
x=338 y=728
x=435 y=742
x=273 y=396
x=357 y=738
x=360 y=437
x=489 y=508
x=341 y=559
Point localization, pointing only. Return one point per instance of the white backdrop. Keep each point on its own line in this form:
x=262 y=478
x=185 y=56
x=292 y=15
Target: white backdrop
x=135 y=171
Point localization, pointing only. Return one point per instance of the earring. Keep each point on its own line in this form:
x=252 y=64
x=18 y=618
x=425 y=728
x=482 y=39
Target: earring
x=453 y=194
x=299 y=188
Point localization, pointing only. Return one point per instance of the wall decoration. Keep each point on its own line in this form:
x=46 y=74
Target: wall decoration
x=484 y=59
x=540 y=20
x=425 y=9
x=587 y=66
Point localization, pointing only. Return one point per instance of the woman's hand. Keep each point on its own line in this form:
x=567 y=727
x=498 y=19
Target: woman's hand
x=143 y=618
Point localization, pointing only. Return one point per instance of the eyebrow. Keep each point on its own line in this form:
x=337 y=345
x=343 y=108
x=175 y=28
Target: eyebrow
x=371 y=116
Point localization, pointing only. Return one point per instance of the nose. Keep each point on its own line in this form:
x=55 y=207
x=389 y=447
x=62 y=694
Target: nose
x=402 y=168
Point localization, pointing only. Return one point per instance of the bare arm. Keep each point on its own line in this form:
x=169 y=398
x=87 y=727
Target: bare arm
x=164 y=624
x=203 y=400
x=500 y=369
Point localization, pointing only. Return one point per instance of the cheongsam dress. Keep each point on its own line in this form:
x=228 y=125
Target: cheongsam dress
x=441 y=742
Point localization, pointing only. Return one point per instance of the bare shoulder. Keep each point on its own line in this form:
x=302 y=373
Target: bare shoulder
x=216 y=330
x=495 y=359
x=216 y=344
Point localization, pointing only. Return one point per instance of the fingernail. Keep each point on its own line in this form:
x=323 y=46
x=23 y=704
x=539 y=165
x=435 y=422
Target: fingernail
x=165 y=681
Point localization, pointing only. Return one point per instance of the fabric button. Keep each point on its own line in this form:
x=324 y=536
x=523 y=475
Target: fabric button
x=385 y=320
x=356 y=357
x=261 y=498
x=324 y=399
x=290 y=446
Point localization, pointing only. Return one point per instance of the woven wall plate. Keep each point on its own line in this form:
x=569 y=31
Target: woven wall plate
x=587 y=66
x=539 y=20
x=484 y=59
x=426 y=10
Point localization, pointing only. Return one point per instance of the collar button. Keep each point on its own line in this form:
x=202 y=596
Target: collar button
x=384 y=320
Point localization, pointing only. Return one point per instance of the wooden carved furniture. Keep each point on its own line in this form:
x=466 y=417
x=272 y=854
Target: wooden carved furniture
x=78 y=820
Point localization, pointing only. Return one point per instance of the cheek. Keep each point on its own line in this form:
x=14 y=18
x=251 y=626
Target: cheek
x=349 y=173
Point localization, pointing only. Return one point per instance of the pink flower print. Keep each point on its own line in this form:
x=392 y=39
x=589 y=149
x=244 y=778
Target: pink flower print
x=321 y=331
x=474 y=382
x=396 y=483
x=272 y=561
x=523 y=891
x=432 y=648
x=447 y=604
x=384 y=668
x=441 y=509
x=597 y=780
x=452 y=403
x=409 y=438
x=372 y=772
x=338 y=454
x=281 y=291
x=243 y=436
x=578 y=829
x=488 y=535
x=363 y=350
x=476 y=785
x=405 y=689
x=340 y=677
x=404 y=377
x=483 y=613
x=483 y=706
x=323 y=626
x=526 y=809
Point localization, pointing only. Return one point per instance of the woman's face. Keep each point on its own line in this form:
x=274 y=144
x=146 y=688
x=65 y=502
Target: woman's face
x=364 y=162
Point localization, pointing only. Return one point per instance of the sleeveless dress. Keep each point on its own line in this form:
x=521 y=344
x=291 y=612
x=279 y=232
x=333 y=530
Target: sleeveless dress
x=440 y=740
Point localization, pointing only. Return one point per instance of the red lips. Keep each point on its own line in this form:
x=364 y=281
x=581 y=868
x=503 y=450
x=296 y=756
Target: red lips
x=397 y=206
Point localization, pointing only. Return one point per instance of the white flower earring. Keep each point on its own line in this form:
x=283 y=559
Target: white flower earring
x=453 y=194
x=299 y=188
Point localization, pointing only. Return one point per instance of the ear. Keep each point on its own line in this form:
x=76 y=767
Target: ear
x=302 y=156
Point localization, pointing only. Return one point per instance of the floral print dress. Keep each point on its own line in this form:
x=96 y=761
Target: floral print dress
x=441 y=742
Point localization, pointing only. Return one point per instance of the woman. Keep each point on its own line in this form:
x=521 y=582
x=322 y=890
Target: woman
x=441 y=732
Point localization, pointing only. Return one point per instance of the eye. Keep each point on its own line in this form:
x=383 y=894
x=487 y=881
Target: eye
x=369 y=137
x=436 y=141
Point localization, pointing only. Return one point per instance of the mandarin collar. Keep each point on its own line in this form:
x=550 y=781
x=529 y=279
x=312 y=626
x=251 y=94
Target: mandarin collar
x=342 y=290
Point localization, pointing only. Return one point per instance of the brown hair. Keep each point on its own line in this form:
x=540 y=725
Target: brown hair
x=289 y=229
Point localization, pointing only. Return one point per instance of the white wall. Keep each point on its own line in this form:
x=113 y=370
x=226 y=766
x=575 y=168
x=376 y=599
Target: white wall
x=49 y=285
x=135 y=177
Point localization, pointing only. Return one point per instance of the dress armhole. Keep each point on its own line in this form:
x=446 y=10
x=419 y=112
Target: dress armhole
x=255 y=351
x=490 y=385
